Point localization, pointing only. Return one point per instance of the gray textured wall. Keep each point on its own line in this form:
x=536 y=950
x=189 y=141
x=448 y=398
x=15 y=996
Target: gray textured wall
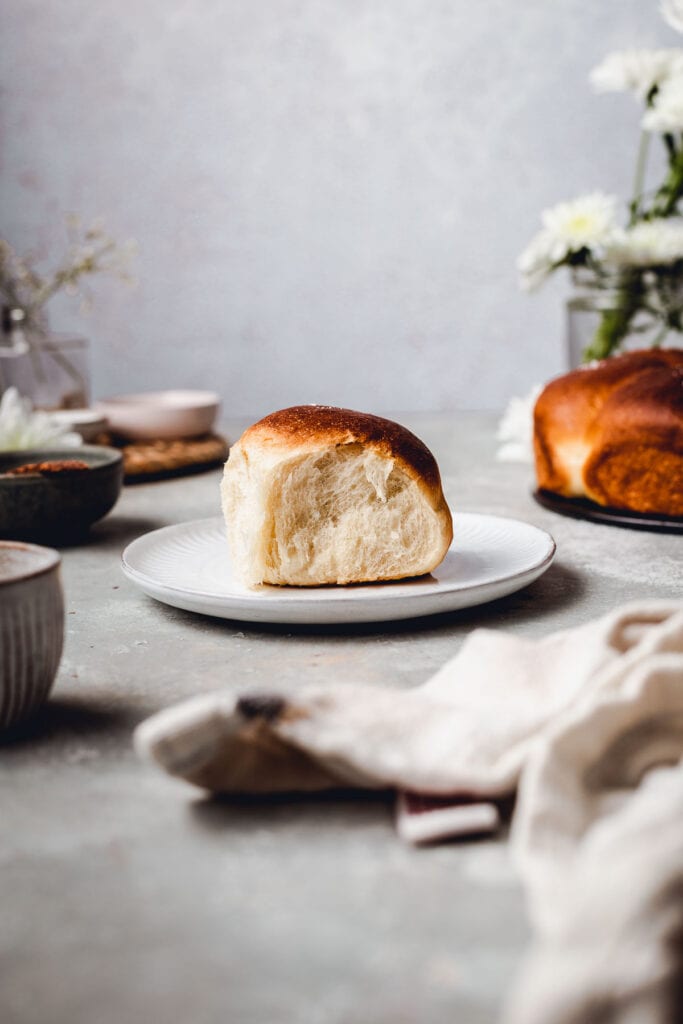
x=328 y=195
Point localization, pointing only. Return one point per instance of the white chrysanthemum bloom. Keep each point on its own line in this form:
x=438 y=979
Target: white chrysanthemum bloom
x=583 y=223
x=516 y=428
x=666 y=113
x=538 y=260
x=672 y=12
x=647 y=244
x=21 y=428
x=587 y=222
x=636 y=71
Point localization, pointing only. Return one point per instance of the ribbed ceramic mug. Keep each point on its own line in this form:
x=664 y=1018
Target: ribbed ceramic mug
x=31 y=627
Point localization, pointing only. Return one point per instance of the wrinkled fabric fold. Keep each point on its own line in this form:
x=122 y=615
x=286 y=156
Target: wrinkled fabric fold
x=586 y=724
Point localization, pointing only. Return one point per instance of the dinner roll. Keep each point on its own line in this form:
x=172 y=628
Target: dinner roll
x=613 y=432
x=315 y=494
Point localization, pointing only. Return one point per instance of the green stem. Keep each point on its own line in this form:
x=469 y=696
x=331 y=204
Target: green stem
x=614 y=323
x=639 y=179
x=669 y=194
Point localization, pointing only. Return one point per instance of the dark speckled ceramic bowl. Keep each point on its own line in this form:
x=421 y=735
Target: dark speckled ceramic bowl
x=60 y=507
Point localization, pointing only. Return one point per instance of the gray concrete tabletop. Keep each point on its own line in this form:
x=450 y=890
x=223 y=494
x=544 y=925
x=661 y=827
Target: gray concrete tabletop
x=129 y=897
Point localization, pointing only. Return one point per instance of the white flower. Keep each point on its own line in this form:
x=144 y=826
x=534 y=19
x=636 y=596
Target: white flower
x=584 y=222
x=516 y=428
x=666 y=112
x=647 y=244
x=636 y=71
x=21 y=428
x=672 y=12
x=537 y=261
x=587 y=222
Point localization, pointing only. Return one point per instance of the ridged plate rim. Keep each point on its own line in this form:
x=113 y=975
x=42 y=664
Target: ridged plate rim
x=377 y=602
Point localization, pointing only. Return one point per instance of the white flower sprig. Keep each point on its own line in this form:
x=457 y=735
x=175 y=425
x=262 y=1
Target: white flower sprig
x=516 y=428
x=91 y=251
x=21 y=428
x=569 y=229
x=637 y=266
x=672 y=12
x=636 y=71
x=650 y=243
x=666 y=112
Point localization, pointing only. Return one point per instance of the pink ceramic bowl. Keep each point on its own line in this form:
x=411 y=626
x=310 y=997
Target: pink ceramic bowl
x=161 y=415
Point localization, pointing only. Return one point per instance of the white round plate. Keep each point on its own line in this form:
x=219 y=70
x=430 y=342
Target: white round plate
x=188 y=566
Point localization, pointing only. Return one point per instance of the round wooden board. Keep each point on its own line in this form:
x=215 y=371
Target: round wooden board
x=155 y=460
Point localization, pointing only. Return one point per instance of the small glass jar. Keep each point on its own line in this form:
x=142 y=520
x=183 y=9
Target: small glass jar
x=52 y=370
x=634 y=306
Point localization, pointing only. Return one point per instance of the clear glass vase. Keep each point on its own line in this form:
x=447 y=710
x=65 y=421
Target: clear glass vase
x=52 y=370
x=622 y=307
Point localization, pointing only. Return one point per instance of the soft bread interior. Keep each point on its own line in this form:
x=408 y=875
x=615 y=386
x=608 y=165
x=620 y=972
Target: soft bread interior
x=336 y=515
x=571 y=457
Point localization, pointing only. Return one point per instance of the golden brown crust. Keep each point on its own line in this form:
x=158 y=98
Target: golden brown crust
x=614 y=432
x=256 y=488
x=320 y=425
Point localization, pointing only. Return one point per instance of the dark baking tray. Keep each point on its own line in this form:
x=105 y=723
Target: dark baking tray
x=582 y=508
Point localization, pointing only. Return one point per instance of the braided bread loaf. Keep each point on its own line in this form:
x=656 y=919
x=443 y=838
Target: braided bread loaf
x=613 y=432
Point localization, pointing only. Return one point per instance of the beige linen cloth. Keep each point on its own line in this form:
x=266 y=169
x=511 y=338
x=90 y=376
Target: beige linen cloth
x=587 y=725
